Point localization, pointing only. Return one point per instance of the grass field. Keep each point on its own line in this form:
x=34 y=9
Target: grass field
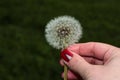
x=24 y=52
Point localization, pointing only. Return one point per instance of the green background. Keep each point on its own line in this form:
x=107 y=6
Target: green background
x=24 y=52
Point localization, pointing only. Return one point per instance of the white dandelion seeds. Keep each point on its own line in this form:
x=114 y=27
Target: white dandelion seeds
x=63 y=31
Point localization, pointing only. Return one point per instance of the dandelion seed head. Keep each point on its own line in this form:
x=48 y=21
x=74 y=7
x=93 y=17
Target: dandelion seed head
x=63 y=29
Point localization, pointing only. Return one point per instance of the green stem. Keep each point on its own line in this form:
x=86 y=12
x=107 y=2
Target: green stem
x=65 y=67
x=65 y=72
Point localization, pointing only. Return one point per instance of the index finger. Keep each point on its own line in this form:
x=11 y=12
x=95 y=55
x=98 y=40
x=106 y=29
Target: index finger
x=92 y=49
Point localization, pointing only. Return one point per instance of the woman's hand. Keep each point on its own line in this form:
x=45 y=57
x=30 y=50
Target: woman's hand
x=92 y=61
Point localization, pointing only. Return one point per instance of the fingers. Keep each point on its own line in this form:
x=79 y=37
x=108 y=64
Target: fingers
x=93 y=60
x=90 y=60
x=76 y=62
x=92 y=49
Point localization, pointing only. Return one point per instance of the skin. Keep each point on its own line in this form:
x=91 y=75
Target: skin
x=93 y=61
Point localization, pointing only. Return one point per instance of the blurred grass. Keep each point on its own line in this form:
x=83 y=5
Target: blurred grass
x=24 y=52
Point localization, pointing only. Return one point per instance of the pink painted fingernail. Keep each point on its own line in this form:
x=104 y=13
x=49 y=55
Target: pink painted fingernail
x=66 y=55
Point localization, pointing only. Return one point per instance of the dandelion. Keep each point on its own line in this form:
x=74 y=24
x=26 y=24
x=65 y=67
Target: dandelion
x=62 y=32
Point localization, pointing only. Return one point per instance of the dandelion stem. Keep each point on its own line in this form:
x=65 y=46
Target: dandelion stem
x=65 y=72
x=65 y=66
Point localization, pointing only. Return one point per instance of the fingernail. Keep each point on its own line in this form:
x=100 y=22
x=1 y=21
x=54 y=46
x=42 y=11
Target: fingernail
x=66 y=55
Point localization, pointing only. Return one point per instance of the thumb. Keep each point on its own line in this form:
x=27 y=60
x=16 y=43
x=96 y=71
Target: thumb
x=76 y=63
